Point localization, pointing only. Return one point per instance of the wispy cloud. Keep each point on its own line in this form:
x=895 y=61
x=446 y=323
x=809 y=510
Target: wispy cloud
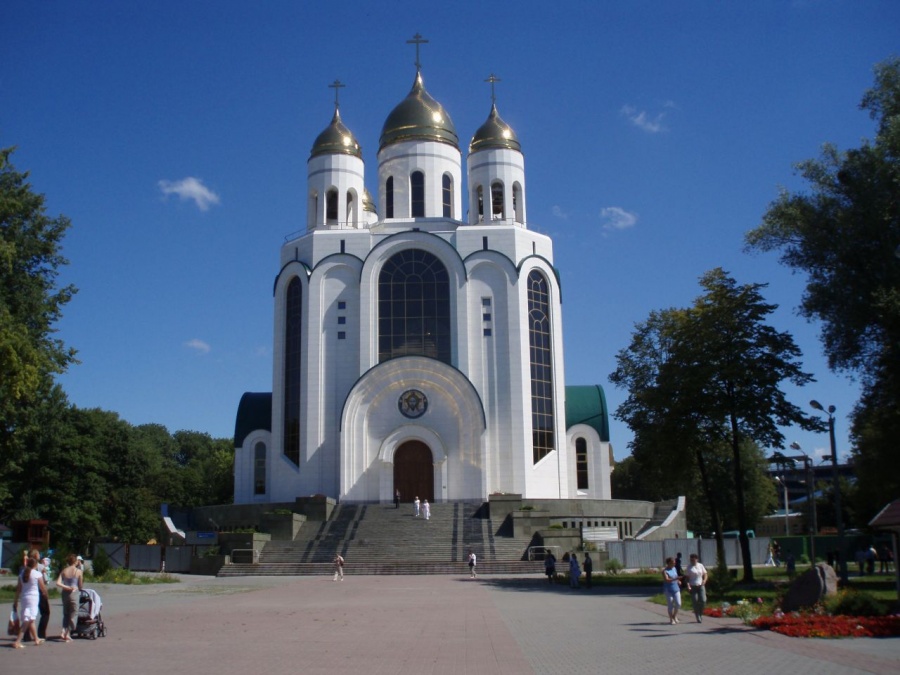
x=559 y=213
x=198 y=345
x=616 y=218
x=652 y=124
x=190 y=188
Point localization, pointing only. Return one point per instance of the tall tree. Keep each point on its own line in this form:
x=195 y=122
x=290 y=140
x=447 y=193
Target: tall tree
x=709 y=376
x=31 y=303
x=844 y=234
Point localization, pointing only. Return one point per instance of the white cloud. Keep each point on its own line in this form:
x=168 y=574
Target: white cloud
x=559 y=213
x=616 y=218
x=644 y=120
x=199 y=345
x=190 y=188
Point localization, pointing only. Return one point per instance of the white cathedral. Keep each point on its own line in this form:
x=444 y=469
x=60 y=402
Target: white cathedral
x=418 y=347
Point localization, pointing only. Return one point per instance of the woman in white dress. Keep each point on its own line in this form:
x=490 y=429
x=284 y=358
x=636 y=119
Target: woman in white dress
x=29 y=589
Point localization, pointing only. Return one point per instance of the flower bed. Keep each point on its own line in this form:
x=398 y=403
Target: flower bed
x=824 y=626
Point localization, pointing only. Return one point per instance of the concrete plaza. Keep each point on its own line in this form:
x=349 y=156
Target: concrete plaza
x=398 y=625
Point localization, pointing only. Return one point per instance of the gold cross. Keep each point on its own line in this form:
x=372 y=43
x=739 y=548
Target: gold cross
x=492 y=79
x=417 y=40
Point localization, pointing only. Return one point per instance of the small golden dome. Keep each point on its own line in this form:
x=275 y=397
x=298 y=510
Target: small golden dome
x=494 y=133
x=418 y=117
x=336 y=140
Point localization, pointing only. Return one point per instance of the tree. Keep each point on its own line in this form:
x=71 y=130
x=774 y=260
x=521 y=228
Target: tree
x=708 y=377
x=844 y=234
x=30 y=305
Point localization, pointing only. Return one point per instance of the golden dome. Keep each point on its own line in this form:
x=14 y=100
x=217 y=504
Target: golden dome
x=418 y=117
x=494 y=133
x=336 y=140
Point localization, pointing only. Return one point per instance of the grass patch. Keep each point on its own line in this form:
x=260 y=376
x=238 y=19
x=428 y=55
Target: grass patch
x=123 y=576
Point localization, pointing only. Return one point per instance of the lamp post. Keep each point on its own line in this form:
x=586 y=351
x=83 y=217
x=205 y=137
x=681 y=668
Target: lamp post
x=783 y=483
x=810 y=500
x=839 y=518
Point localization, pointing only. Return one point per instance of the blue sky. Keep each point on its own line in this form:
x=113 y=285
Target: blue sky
x=175 y=136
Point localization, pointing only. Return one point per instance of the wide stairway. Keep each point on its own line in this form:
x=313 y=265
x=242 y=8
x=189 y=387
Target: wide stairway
x=380 y=539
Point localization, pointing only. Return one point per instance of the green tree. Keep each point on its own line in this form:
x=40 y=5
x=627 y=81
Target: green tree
x=709 y=377
x=31 y=303
x=844 y=234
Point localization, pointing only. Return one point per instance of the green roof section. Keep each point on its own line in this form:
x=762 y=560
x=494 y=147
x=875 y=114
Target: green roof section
x=586 y=404
x=254 y=412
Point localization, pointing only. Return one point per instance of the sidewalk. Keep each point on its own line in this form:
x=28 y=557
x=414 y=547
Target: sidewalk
x=396 y=625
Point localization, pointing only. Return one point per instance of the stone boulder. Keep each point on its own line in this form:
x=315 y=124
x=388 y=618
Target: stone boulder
x=811 y=587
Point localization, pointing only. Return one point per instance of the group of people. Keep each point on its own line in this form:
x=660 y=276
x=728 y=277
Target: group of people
x=574 y=569
x=32 y=604
x=422 y=508
x=693 y=580
x=866 y=558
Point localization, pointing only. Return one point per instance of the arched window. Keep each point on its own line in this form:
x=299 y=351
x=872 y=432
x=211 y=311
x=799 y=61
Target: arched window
x=497 y=206
x=414 y=307
x=331 y=206
x=479 y=196
x=351 y=208
x=540 y=340
x=292 y=364
x=389 y=198
x=517 y=203
x=581 y=463
x=259 y=468
x=312 y=210
x=447 y=192
x=417 y=189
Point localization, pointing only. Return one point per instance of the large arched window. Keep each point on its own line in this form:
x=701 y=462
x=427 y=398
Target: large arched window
x=417 y=191
x=292 y=364
x=389 y=198
x=581 y=463
x=447 y=193
x=414 y=307
x=540 y=340
x=259 y=468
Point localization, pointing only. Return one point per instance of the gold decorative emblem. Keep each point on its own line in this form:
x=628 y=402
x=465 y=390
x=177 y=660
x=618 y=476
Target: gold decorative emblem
x=413 y=403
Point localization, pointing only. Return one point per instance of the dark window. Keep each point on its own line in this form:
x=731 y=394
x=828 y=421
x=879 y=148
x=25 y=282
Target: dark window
x=417 y=188
x=414 y=307
x=480 y=200
x=292 y=364
x=389 y=198
x=485 y=317
x=342 y=335
x=259 y=469
x=342 y=320
x=484 y=243
x=331 y=206
x=448 y=195
x=517 y=202
x=542 y=422
x=485 y=302
x=487 y=332
x=342 y=304
x=581 y=463
x=497 y=210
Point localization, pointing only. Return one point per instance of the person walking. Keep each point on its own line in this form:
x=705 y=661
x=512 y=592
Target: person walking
x=473 y=559
x=574 y=571
x=588 y=569
x=70 y=582
x=426 y=510
x=43 y=568
x=672 y=590
x=550 y=567
x=338 y=567
x=397 y=498
x=417 y=505
x=697 y=576
x=29 y=589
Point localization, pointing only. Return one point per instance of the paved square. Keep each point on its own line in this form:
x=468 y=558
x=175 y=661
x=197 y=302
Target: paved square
x=421 y=624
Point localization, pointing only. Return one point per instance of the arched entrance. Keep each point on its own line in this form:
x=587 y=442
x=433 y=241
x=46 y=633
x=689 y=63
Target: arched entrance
x=414 y=471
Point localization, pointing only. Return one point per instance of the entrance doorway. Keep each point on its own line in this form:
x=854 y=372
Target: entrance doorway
x=414 y=471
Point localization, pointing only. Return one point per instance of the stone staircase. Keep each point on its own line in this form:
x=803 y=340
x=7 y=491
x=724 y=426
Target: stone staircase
x=379 y=539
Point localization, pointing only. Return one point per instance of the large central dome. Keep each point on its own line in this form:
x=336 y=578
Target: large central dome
x=418 y=117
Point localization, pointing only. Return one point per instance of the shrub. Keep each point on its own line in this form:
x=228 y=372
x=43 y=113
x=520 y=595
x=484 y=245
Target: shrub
x=613 y=566
x=101 y=564
x=720 y=581
x=854 y=603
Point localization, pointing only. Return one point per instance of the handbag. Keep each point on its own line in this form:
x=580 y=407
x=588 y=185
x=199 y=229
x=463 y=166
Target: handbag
x=13 y=627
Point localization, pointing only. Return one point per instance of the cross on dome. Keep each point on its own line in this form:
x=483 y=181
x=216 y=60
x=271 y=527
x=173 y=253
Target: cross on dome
x=493 y=79
x=417 y=40
x=337 y=85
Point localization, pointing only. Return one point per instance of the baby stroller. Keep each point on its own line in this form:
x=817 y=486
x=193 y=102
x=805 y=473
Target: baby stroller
x=90 y=623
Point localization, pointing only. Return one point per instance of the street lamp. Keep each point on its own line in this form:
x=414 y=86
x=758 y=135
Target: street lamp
x=810 y=500
x=839 y=519
x=783 y=483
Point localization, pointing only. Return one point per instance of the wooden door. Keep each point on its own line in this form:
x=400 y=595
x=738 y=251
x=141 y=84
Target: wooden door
x=414 y=471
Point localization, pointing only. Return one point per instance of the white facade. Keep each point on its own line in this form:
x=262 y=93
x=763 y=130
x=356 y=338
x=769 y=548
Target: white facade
x=418 y=349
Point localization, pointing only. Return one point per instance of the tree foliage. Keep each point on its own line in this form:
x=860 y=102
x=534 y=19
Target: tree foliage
x=704 y=394
x=844 y=234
